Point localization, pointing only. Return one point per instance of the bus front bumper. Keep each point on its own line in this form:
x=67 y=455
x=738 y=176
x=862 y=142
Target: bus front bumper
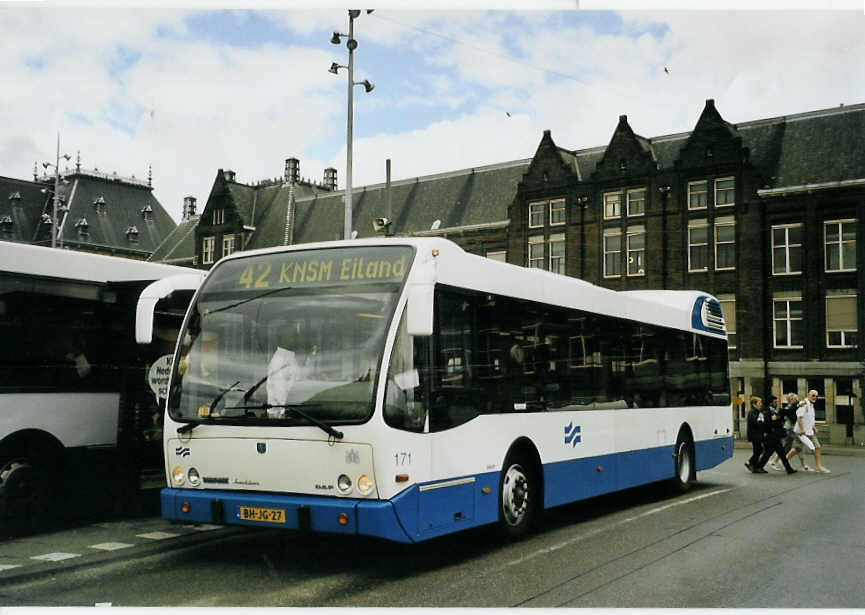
x=314 y=513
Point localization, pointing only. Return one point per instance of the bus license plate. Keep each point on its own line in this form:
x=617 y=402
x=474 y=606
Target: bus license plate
x=268 y=515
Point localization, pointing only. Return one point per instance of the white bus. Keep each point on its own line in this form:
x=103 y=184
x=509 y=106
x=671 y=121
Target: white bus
x=405 y=389
x=73 y=387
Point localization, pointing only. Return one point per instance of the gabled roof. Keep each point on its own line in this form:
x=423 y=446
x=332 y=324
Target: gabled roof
x=126 y=203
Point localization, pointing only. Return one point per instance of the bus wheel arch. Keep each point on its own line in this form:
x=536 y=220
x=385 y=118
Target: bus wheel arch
x=520 y=489
x=684 y=461
x=30 y=465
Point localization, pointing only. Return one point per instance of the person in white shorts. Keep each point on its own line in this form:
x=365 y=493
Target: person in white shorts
x=805 y=431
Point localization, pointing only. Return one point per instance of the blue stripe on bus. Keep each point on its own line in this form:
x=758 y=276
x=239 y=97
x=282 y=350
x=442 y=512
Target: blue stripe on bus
x=443 y=506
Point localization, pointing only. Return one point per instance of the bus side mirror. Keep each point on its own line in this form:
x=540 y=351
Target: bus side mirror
x=419 y=301
x=150 y=296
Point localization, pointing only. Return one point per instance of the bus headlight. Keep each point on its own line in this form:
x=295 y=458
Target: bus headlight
x=193 y=477
x=178 y=477
x=343 y=483
x=364 y=484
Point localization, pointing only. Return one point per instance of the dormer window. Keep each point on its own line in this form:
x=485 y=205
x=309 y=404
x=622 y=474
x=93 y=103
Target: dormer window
x=46 y=219
x=218 y=216
x=15 y=196
x=82 y=227
x=132 y=234
x=147 y=213
x=6 y=223
x=99 y=205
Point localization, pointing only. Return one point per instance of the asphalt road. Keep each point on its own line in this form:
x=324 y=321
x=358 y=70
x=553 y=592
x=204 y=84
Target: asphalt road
x=736 y=540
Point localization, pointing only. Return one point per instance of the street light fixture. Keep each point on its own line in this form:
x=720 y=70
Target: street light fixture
x=368 y=86
x=57 y=198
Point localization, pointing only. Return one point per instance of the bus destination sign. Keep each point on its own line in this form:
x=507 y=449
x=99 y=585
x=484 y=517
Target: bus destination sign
x=313 y=267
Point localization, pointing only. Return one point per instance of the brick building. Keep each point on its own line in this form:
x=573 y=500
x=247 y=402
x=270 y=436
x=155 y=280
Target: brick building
x=766 y=214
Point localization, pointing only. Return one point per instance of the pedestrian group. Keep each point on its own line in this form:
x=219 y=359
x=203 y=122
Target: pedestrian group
x=791 y=428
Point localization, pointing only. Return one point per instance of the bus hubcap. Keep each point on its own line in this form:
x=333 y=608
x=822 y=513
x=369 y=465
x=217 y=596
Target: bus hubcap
x=684 y=463
x=515 y=495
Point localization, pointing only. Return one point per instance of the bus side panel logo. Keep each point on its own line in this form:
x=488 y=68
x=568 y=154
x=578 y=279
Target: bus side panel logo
x=572 y=434
x=182 y=451
x=261 y=447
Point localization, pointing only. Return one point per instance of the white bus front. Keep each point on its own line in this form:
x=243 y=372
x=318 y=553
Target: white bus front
x=273 y=390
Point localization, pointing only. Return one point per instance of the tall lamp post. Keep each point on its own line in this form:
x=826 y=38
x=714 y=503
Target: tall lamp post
x=351 y=43
x=56 y=199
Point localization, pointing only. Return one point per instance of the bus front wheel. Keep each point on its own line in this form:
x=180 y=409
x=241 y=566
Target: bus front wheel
x=518 y=497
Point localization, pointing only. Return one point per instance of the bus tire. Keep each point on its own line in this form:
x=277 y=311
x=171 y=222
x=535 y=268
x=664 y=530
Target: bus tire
x=26 y=497
x=685 y=472
x=519 y=496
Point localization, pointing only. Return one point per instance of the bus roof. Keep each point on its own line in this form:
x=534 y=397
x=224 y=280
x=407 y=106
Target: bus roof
x=73 y=265
x=454 y=266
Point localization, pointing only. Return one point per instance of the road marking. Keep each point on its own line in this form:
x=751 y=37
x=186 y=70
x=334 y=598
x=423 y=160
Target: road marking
x=9 y=566
x=204 y=527
x=607 y=528
x=157 y=535
x=56 y=557
x=111 y=546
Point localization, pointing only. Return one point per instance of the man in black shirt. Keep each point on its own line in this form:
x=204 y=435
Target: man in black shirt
x=774 y=434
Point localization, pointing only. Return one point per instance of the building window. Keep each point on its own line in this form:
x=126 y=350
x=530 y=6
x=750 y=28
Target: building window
x=99 y=205
x=636 y=246
x=207 y=246
x=786 y=249
x=637 y=202
x=557 y=253
x=218 y=216
x=698 y=245
x=725 y=243
x=840 y=239
x=728 y=308
x=147 y=213
x=841 y=326
x=788 y=324
x=557 y=211
x=536 y=214
x=498 y=255
x=536 y=252
x=612 y=254
x=613 y=205
x=697 y=192
x=725 y=192
x=227 y=244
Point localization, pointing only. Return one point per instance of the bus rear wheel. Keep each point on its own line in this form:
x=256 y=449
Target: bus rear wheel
x=24 y=497
x=684 y=465
x=518 y=497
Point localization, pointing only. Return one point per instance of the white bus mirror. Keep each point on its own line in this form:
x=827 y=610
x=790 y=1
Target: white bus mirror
x=419 y=306
x=151 y=295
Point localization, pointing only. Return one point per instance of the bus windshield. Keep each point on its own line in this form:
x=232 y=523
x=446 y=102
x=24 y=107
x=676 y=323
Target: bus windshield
x=288 y=338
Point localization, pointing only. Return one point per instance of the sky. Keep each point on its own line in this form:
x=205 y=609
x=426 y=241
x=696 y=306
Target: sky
x=189 y=89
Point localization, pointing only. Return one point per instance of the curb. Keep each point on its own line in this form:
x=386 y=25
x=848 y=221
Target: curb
x=39 y=570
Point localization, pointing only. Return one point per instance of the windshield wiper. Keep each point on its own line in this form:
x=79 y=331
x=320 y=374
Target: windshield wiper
x=294 y=408
x=247 y=300
x=187 y=427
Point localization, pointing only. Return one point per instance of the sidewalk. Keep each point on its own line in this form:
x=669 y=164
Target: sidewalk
x=829 y=450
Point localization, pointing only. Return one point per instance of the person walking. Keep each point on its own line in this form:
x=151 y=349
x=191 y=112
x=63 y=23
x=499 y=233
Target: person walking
x=775 y=432
x=756 y=434
x=805 y=431
x=788 y=413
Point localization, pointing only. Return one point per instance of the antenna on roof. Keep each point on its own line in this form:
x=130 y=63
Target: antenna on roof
x=435 y=225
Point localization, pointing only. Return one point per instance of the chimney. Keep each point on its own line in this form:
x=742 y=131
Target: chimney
x=188 y=207
x=229 y=175
x=330 y=178
x=292 y=170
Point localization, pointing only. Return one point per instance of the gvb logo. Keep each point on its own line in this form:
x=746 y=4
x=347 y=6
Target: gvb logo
x=182 y=451
x=572 y=434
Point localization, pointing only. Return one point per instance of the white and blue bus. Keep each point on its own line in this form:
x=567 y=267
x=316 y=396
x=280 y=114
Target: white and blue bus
x=73 y=383
x=405 y=389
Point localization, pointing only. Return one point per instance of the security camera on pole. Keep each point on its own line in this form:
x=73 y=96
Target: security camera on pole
x=368 y=86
